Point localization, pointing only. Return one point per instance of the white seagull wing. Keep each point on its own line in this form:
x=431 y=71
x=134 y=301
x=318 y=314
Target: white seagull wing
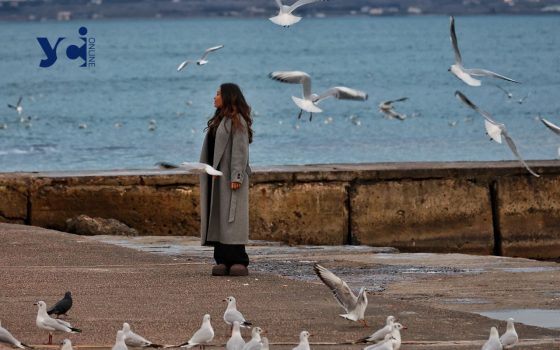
x=279 y=3
x=211 y=49
x=343 y=93
x=453 y=35
x=468 y=102
x=477 y=72
x=183 y=65
x=300 y=3
x=513 y=148
x=555 y=128
x=342 y=293
x=294 y=77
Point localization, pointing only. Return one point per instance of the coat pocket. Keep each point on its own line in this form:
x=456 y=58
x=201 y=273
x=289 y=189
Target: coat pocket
x=232 y=206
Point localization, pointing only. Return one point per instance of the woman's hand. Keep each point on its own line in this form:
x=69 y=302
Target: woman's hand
x=235 y=185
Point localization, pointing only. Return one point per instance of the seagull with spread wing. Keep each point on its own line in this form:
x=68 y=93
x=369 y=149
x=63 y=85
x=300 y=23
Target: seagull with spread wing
x=202 y=60
x=387 y=108
x=495 y=130
x=354 y=305
x=465 y=74
x=285 y=18
x=18 y=107
x=309 y=101
x=193 y=167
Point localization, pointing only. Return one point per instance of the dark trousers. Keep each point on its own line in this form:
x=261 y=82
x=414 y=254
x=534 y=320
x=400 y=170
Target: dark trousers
x=230 y=254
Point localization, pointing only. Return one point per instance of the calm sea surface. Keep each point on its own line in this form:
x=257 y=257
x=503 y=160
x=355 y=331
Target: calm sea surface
x=135 y=81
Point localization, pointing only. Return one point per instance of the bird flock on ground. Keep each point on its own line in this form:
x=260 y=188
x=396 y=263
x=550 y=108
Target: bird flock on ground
x=309 y=101
x=388 y=337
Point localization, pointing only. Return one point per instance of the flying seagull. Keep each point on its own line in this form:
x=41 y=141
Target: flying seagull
x=7 y=338
x=18 y=107
x=309 y=101
x=135 y=340
x=354 y=305
x=555 y=128
x=62 y=306
x=44 y=321
x=285 y=17
x=386 y=107
x=202 y=60
x=466 y=75
x=495 y=130
x=194 y=167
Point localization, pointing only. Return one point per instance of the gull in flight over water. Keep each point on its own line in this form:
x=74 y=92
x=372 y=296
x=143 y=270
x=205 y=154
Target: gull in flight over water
x=285 y=17
x=464 y=74
x=18 y=107
x=309 y=101
x=386 y=107
x=493 y=342
x=509 y=338
x=495 y=130
x=202 y=60
x=7 y=338
x=380 y=333
x=135 y=340
x=44 y=321
x=193 y=167
x=354 y=305
x=553 y=127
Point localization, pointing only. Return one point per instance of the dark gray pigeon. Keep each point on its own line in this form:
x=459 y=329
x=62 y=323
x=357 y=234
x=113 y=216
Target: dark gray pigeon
x=62 y=306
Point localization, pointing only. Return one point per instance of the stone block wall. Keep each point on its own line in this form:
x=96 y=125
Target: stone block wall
x=480 y=207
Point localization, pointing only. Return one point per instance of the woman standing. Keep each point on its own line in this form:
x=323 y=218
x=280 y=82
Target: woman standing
x=224 y=200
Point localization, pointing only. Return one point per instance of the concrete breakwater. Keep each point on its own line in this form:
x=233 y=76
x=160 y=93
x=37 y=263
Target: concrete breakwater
x=467 y=207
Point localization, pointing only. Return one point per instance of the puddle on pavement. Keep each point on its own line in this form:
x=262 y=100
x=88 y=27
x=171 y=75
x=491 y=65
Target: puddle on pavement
x=530 y=269
x=465 y=301
x=532 y=317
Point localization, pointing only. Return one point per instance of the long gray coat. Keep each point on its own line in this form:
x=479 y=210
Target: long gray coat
x=229 y=209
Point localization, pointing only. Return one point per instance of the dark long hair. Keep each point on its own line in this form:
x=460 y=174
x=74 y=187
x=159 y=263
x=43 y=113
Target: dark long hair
x=233 y=106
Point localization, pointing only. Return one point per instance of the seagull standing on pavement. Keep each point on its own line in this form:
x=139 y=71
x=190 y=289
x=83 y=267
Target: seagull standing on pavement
x=509 y=338
x=202 y=60
x=380 y=333
x=303 y=341
x=493 y=342
x=495 y=130
x=202 y=336
x=44 y=321
x=120 y=341
x=285 y=18
x=135 y=340
x=255 y=339
x=235 y=342
x=309 y=101
x=232 y=314
x=7 y=338
x=465 y=74
x=66 y=345
x=62 y=306
x=354 y=305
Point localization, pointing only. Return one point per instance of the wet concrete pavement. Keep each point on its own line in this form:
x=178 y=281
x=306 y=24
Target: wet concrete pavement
x=162 y=287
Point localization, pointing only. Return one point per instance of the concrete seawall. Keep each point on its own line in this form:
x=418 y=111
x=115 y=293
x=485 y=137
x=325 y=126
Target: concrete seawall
x=468 y=207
